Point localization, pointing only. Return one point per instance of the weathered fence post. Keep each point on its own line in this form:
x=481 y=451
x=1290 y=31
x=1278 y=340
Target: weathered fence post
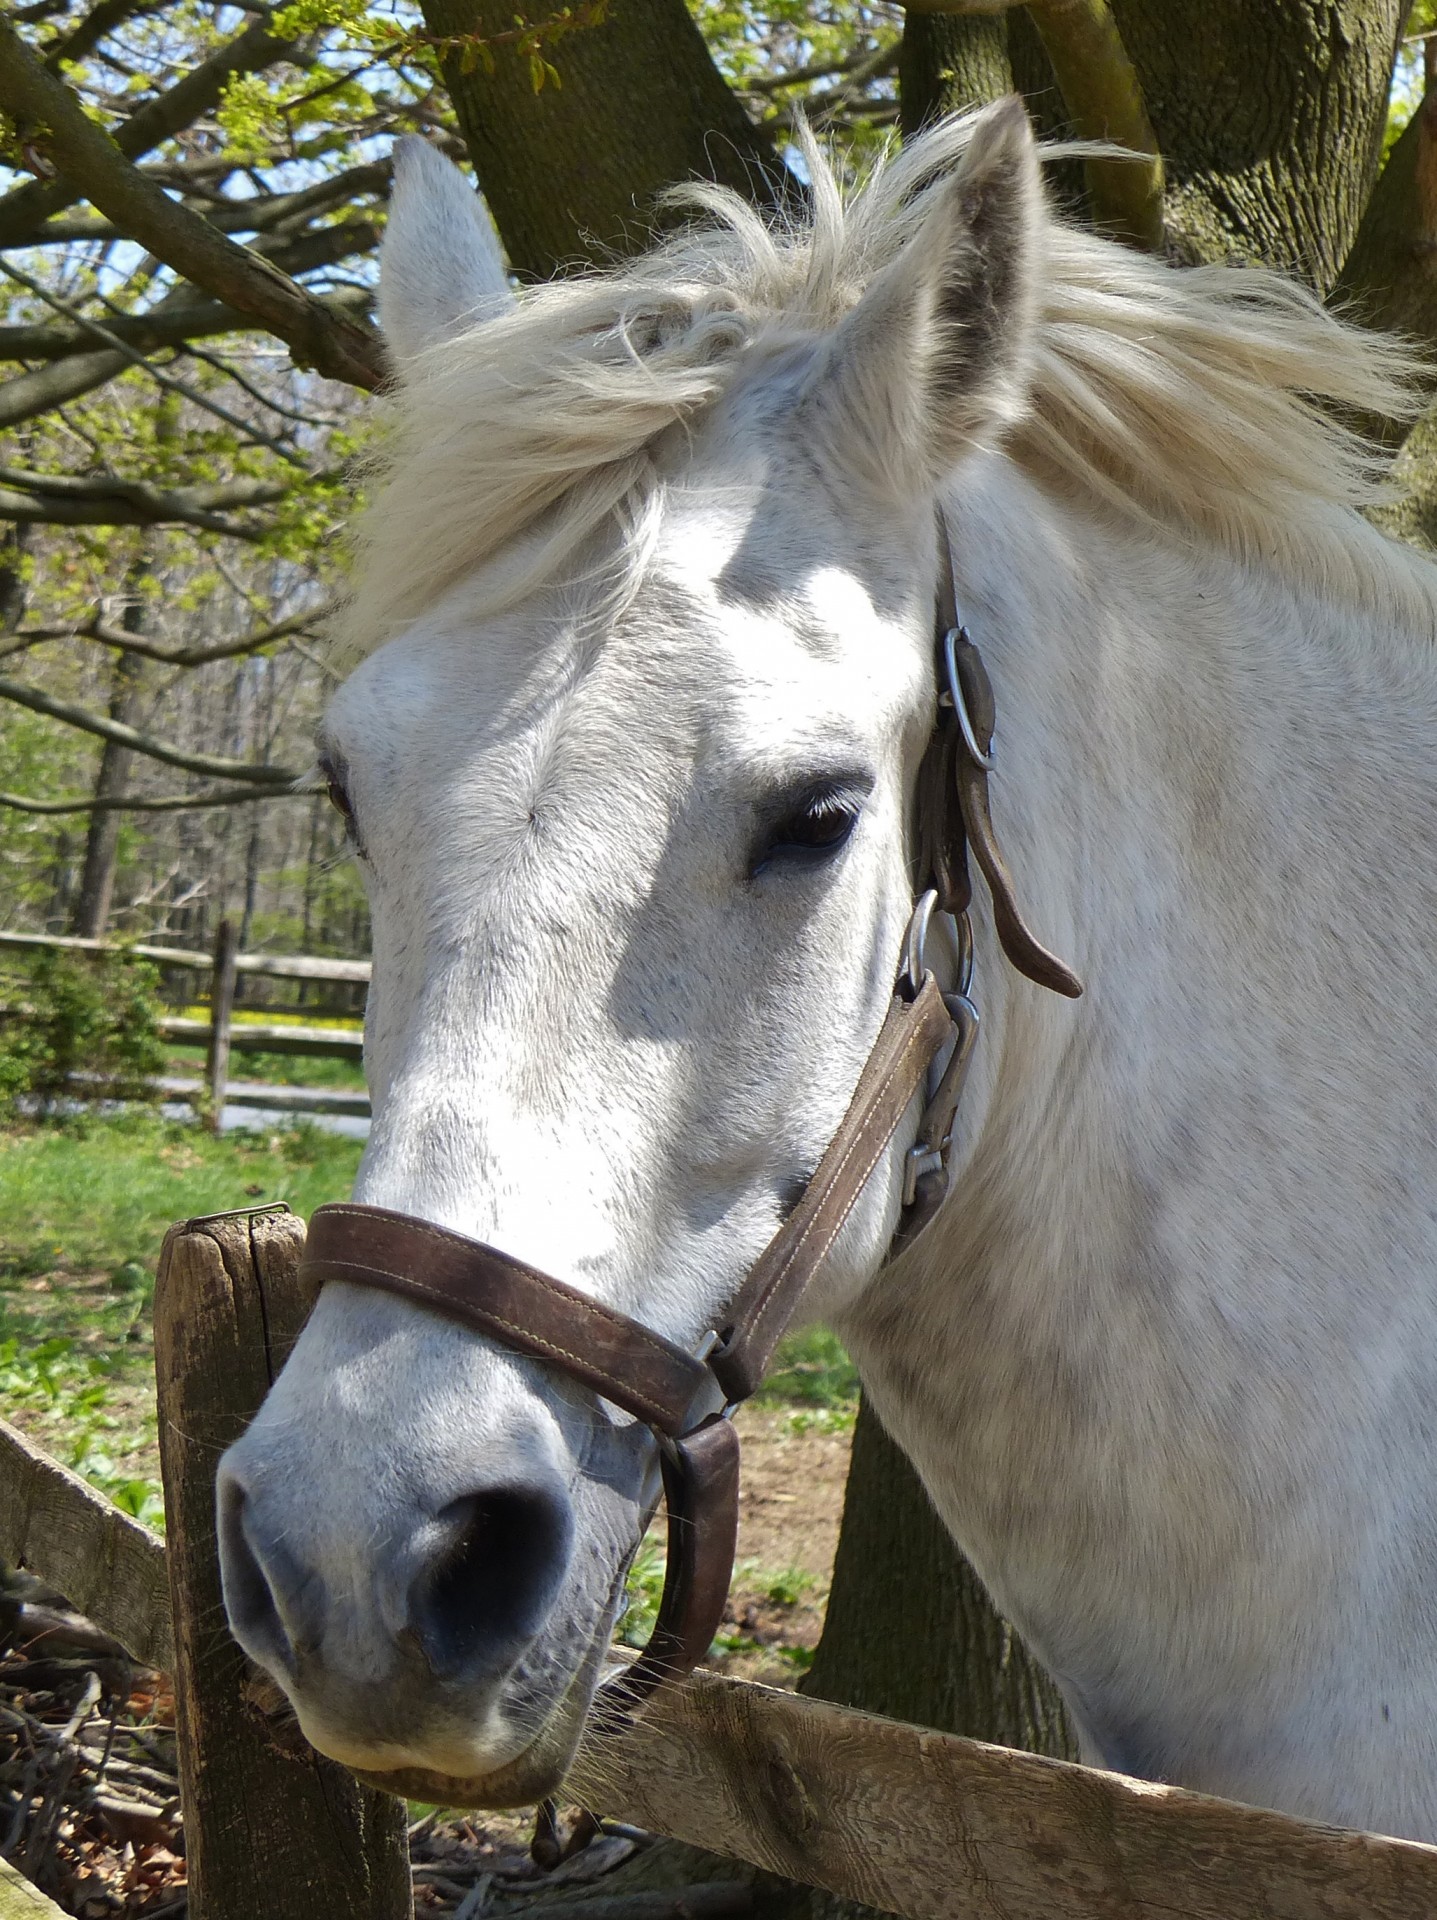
x=222 y=1006
x=271 y=1829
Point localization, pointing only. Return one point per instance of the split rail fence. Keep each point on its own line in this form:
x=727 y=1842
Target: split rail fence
x=221 y=1036
x=913 y=1822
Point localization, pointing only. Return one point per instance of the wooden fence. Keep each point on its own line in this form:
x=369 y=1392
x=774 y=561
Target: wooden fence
x=913 y=1822
x=220 y=1035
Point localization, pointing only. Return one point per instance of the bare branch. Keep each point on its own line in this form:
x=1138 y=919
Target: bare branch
x=37 y=509
x=858 y=66
x=156 y=121
x=99 y=21
x=174 y=322
x=184 y=241
x=31 y=393
x=212 y=764
x=319 y=246
x=170 y=803
x=1104 y=98
x=108 y=636
x=161 y=379
x=302 y=416
x=260 y=214
x=71 y=500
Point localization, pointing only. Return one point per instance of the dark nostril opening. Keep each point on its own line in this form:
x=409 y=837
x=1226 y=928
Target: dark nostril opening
x=249 y=1597
x=489 y=1590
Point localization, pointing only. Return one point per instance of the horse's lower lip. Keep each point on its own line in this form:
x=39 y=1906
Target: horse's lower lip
x=522 y=1783
x=530 y=1776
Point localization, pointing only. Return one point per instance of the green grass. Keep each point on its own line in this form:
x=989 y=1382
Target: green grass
x=84 y=1207
x=275 y=1069
x=83 y=1211
x=814 y=1380
x=99 y=1192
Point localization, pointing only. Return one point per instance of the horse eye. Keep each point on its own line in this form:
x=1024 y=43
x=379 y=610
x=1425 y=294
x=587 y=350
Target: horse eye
x=819 y=825
x=339 y=800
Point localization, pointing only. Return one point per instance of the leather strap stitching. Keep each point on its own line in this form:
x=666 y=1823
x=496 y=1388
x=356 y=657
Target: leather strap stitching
x=771 y=1292
x=589 y=1309
x=652 y=1412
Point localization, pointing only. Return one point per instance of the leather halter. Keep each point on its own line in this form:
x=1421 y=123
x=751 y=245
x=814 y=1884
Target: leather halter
x=678 y=1394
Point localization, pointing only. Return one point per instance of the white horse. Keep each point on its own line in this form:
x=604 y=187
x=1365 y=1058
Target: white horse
x=645 y=668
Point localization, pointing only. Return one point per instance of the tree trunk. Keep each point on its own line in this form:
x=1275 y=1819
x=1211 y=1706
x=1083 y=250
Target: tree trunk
x=13 y=541
x=1271 y=119
x=577 y=167
x=910 y=1631
x=90 y=916
x=947 y=62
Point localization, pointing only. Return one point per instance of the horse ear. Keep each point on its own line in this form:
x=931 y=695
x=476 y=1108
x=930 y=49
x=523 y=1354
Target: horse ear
x=934 y=359
x=440 y=267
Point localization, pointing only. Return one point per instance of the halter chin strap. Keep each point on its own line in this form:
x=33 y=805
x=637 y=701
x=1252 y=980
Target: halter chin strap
x=676 y=1393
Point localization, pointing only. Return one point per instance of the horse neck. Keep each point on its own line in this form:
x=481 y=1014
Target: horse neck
x=1162 y=708
x=1191 y=1209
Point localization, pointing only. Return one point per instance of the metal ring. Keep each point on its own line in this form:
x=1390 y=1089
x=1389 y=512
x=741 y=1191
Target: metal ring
x=960 y=706
x=916 y=939
x=915 y=949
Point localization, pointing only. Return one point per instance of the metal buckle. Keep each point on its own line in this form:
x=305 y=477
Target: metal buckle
x=708 y=1400
x=239 y=1213
x=925 y=1156
x=918 y=1161
x=953 y=697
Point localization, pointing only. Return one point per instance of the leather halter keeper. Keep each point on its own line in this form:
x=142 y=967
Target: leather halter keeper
x=672 y=1391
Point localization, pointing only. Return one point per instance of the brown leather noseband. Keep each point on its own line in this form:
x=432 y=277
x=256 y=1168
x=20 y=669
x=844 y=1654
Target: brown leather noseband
x=686 y=1398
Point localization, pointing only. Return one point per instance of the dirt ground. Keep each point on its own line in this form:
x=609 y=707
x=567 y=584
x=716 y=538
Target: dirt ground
x=790 y=1504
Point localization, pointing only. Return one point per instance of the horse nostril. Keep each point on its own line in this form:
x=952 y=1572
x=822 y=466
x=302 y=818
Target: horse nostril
x=249 y=1596
x=487 y=1592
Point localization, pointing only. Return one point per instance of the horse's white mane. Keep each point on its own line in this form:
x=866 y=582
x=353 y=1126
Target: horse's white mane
x=1209 y=398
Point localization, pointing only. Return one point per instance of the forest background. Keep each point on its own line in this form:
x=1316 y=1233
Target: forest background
x=176 y=469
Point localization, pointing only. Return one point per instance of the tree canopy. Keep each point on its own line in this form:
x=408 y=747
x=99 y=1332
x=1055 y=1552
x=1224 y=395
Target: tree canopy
x=191 y=198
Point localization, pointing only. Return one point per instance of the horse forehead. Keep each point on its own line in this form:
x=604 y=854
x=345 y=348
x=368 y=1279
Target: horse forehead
x=702 y=666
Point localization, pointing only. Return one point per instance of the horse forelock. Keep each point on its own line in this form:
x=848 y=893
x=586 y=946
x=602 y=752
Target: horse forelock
x=1213 y=400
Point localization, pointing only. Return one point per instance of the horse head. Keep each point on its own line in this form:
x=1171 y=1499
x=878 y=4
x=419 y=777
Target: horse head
x=629 y=766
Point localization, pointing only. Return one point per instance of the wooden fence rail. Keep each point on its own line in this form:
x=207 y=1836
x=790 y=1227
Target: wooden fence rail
x=911 y=1821
x=221 y=1035
x=278 y=966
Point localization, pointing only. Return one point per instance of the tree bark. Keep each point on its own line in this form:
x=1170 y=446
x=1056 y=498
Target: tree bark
x=576 y=169
x=910 y=1631
x=13 y=541
x=948 y=62
x=1271 y=120
x=91 y=913
x=1390 y=276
